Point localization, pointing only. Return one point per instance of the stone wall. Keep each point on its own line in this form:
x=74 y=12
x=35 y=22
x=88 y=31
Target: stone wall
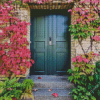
x=75 y=46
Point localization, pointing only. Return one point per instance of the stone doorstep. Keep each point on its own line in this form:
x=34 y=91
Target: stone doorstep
x=50 y=81
x=62 y=85
x=44 y=94
x=58 y=84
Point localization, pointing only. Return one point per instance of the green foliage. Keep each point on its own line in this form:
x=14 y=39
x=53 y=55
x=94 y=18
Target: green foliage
x=70 y=71
x=96 y=23
x=20 y=3
x=81 y=93
x=98 y=67
x=12 y=88
x=29 y=84
x=79 y=31
x=9 y=88
x=87 y=84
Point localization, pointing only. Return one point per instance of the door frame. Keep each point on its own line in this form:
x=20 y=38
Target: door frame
x=69 y=39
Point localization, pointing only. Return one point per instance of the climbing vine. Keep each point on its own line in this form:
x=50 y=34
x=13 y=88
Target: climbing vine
x=15 y=56
x=86 y=24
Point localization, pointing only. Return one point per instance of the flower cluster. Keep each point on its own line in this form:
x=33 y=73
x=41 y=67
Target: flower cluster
x=96 y=38
x=84 y=14
x=14 y=54
x=80 y=59
x=83 y=58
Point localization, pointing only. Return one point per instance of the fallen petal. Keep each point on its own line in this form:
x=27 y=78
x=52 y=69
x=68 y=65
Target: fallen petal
x=55 y=94
x=34 y=89
x=39 y=77
x=50 y=90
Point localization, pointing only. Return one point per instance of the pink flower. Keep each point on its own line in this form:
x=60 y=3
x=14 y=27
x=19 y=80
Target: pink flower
x=18 y=60
x=9 y=1
x=73 y=59
x=28 y=64
x=80 y=59
x=96 y=54
x=98 y=27
x=32 y=61
x=82 y=2
x=70 y=10
x=5 y=4
x=86 y=60
x=3 y=72
x=23 y=60
x=92 y=19
x=2 y=52
x=77 y=9
x=17 y=72
x=39 y=2
x=74 y=22
x=92 y=38
x=24 y=1
x=96 y=38
x=28 y=23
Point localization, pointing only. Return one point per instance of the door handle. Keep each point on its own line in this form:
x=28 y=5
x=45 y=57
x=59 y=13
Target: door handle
x=49 y=40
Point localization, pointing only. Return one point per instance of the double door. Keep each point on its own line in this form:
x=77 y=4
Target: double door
x=49 y=42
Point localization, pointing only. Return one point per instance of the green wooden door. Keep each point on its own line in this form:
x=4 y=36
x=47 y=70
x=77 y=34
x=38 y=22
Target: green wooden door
x=46 y=26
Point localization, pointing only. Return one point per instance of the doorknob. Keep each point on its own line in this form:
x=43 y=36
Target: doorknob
x=49 y=40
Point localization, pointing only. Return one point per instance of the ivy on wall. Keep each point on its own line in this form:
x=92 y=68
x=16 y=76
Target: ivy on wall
x=15 y=56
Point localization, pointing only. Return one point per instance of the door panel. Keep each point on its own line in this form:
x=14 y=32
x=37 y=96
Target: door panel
x=49 y=59
x=39 y=44
x=60 y=48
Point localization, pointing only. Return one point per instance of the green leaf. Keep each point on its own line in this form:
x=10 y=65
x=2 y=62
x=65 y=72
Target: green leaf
x=84 y=90
x=86 y=98
x=82 y=96
x=87 y=71
x=76 y=68
x=93 y=29
x=89 y=65
x=93 y=98
x=80 y=93
x=91 y=78
x=89 y=33
x=98 y=92
x=88 y=93
x=75 y=37
x=75 y=97
x=70 y=78
x=70 y=71
x=77 y=75
x=93 y=66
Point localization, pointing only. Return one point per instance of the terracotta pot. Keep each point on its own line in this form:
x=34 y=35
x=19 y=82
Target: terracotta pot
x=14 y=98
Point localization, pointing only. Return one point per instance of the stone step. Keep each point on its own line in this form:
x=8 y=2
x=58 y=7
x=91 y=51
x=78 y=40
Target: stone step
x=51 y=81
x=44 y=94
